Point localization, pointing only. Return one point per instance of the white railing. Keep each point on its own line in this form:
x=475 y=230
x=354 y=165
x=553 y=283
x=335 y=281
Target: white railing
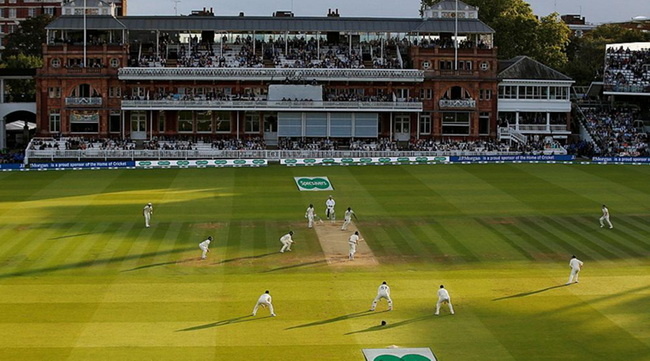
x=84 y=101
x=270 y=105
x=508 y=133
x=272 y=155
x=269 y=74
x=457 y=103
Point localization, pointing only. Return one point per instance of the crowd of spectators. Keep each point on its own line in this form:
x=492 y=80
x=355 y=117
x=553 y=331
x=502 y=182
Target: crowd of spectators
x=295 y=52
x=11 y=156
x=627 y=70
x=616 y=134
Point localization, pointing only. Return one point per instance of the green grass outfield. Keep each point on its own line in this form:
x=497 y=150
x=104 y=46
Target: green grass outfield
x=82 y=279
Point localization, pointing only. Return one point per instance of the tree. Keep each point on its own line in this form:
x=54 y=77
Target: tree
x=21 y=90
x=29 y=38
x=520 y=32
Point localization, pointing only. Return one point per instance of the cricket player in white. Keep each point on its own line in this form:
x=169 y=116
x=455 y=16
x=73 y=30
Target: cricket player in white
x=352 y=242
x=204 y=246
x=309 y=214
x=264 y=301
x=329 y=211
x=382 y=292
x=147 y=212
x=605 y=218
x=576 y=266
x=347 y=218
x=443 y=297
x=286 y=242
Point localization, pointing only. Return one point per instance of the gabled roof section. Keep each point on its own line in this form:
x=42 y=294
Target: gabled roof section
x=93 y=22
x=271 y=24
x=523 y=67
x=451 y=5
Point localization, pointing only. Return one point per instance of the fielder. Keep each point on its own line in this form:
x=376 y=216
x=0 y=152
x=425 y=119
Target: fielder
x=576 y=266
x=147 y=212
x=443 y=297
x=352 y=242
x=309 y=214
x=329 y=209
x=348 y=218
x=605 y=218
x=286 y=242
x=264 y=301
x=204 y=246
x=382 y=292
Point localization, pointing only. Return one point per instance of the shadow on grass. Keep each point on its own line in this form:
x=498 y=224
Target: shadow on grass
x=335 y=319
x=70 y=236
x=524 y=294
x=158 y=265
x=231 y=321
x=297 y=265
x=91 y=263
x=393 y=325
x=245 y=258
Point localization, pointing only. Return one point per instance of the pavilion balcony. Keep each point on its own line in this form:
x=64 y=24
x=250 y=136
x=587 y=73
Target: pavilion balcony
x=265 y=105
x=84 y=101
x=457 y=103
x=273 y=74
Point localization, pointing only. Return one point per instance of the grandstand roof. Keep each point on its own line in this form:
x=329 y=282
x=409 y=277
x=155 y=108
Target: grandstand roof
x=523 y=67
x=271 y=24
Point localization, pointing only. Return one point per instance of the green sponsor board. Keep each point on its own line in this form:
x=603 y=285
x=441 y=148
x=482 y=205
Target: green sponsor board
x=313 y=183
x=259 y=161
x=399 y=354
x=181 y=163
x=220 y=162
x=144 y=164
x=201 y=162
x=239 y=161
x=291 y=161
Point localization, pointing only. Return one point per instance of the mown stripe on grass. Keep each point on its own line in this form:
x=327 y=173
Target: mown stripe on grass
x=603 y=236
x=617 y=237
x=506 y=235
x=530 y=237
x=539 y=226
x=458 y=246
x=637 y=229
x=35 y=248
x=420 y=233
x=577 y=233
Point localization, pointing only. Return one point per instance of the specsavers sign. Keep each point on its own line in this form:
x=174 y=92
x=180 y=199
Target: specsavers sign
x=398 y=354
x=313 y=183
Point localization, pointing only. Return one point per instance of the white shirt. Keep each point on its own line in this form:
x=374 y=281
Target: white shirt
x=605 y=212
x=354 y=239
x=265 y=298
x=330 y=203
x=348 y=215
x=286 y=238
x=205 y=244
x=383 y=290
x=310 y=212
x=575 y=263
x=443 y=294
x=147 y=210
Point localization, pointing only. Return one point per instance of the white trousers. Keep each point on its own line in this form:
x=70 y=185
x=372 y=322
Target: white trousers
x=205 y=252
x=147 y=219
x=605 y=219
x=353 y=250
x=346 y=224
x=331 y=215
x=574 y=274
x=310 y=220
x=285 y=247
x=441 y=301
x=378 y=298
x=267 y=304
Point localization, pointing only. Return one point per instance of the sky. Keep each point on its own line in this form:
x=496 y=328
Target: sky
x=595 y=11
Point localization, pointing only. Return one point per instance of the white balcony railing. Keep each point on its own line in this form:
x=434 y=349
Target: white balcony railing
x=457 y=103
x=265 y=105
x=84 y=101
x=269 y=74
